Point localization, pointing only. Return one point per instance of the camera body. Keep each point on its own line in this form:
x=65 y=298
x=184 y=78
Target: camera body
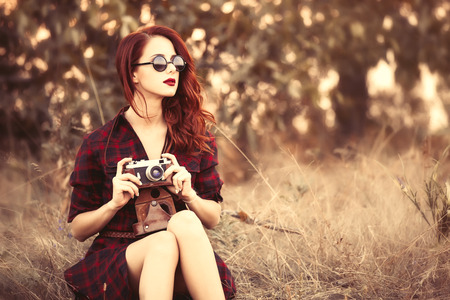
x=150 y=172
x=155 y=204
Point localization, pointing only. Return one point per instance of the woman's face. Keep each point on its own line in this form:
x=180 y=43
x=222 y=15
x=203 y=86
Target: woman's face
x=152 y=84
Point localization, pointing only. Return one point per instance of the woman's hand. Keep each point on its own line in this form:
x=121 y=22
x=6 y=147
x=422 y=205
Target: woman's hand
x=125 y=185
x=181 y=178
x=207 y=211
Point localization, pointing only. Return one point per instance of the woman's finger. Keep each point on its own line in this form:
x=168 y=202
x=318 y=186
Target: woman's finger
x=171 y=157
x=129 y=177
x=181 y=176
x=121 y=163
x=128 y=184
x=126 y=187
x=177 y=172
x=169 y=171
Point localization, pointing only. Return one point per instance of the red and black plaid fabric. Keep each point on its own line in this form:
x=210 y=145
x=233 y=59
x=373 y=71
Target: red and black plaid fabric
x=102 y=273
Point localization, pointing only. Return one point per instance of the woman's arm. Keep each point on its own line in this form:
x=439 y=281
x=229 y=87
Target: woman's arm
x=208 y=211
x=125 y=187
x=89 y=223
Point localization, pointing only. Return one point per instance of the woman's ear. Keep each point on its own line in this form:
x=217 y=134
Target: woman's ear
x=135 y=79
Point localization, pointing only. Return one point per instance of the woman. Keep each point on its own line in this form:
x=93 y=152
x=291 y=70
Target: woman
x=165 y=119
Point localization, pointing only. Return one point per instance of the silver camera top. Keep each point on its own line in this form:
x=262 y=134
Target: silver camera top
x=143 y=163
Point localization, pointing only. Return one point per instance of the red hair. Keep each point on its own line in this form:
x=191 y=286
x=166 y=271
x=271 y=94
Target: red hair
x=185 y=117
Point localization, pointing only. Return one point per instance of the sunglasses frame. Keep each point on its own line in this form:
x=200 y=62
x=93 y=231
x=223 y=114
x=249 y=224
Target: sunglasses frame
x=167 y=63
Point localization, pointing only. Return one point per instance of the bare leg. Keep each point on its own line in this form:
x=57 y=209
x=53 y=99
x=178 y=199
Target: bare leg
x=197 y=261
x=152 y=262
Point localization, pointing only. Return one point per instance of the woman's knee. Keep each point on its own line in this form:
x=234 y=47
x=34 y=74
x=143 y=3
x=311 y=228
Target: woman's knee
x=185 y=222
x=162 y=244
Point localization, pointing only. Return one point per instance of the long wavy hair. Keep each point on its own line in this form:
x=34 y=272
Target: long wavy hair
x=185 y=117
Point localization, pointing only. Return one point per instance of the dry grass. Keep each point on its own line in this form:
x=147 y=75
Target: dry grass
x=356 y=235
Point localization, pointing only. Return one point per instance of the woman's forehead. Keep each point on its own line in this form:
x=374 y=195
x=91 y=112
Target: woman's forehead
x=158 y=45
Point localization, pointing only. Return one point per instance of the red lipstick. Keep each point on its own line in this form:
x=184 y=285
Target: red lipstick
x=170 y=81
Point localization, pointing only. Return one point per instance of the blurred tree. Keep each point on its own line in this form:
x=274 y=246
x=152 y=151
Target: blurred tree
x=272 y=55
x=57 y=53
x=263 y=62
x=356 y=35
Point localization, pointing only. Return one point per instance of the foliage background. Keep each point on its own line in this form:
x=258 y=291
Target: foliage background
x=320 y=80
x=277 y=73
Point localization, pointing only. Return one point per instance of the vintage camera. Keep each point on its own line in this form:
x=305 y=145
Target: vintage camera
x=150 y=172
x=155 y=205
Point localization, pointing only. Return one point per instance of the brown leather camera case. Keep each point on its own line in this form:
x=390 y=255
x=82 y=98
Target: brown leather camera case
x=154 y=207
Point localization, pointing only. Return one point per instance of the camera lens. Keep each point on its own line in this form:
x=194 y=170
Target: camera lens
x=154 y=173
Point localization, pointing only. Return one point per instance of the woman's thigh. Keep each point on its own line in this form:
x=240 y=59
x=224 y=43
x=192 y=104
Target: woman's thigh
x=161 y=244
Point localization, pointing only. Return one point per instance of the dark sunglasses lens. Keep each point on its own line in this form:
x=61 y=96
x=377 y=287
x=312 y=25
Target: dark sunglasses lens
x=159 y=63
x=179 y=63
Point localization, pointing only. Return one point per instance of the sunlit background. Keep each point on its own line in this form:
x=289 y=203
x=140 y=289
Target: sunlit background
x=309 y=76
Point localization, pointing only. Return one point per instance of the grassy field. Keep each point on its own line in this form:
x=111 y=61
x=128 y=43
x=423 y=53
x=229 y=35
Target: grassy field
x=335 y=229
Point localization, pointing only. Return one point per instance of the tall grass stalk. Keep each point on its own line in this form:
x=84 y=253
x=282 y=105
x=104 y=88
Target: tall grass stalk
x=94 y=88
x=434 y=206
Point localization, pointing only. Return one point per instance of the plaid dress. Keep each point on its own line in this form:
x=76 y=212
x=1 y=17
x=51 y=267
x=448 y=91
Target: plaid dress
x=103 y=273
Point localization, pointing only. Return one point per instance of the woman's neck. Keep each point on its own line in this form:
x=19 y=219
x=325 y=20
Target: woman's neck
x=151 y=112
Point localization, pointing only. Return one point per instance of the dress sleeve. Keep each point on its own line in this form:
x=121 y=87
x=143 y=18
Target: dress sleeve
x=208 y=183
x=86 y=179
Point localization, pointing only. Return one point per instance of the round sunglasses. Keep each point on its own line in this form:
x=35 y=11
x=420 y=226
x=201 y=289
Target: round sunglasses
x=160 y=63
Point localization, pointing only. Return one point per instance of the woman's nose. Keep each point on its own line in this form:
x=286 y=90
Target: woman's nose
x=171 y=68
